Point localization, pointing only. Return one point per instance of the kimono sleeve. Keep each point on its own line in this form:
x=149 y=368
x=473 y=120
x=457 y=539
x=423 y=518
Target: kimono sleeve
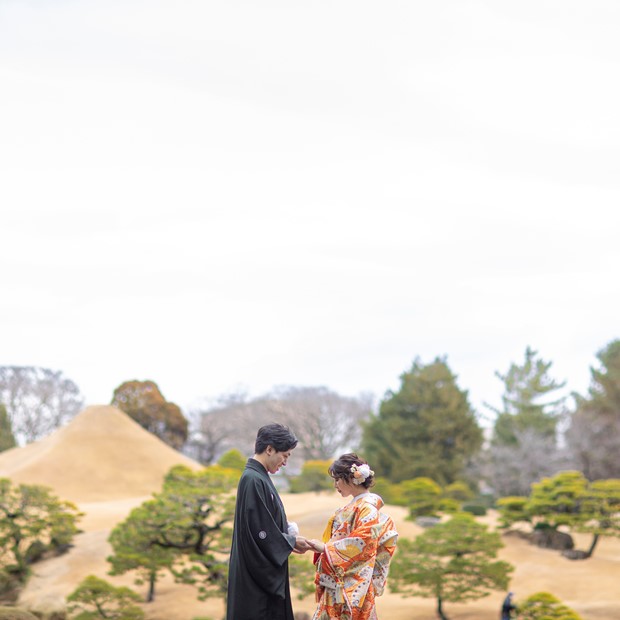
x=348 y=560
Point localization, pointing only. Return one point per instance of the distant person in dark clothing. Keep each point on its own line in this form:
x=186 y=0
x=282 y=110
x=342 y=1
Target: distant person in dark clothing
x=508 y=607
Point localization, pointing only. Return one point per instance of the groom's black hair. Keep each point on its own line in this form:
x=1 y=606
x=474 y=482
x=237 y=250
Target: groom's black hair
x=278 y=436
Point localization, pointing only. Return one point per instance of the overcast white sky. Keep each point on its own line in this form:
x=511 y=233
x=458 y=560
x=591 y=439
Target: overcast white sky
x=216 y=195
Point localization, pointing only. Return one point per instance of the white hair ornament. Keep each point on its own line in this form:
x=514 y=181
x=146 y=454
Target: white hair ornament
x=361 y=473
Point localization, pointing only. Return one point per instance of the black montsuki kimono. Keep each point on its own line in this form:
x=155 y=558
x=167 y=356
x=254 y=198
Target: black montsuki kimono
x=258 y=587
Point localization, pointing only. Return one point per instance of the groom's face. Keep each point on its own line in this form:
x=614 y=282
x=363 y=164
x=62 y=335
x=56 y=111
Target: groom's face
x=276 y=459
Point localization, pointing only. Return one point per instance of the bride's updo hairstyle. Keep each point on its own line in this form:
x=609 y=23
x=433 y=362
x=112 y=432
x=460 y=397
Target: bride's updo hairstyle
x=352 y=469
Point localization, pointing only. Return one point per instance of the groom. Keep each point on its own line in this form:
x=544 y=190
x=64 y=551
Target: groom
x=258 y=587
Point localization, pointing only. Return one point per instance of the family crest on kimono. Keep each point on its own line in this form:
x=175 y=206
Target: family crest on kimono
x=353 y=557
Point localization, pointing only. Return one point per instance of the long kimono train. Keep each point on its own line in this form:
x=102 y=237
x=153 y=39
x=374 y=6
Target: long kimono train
x=352 y=570
x=258 y=586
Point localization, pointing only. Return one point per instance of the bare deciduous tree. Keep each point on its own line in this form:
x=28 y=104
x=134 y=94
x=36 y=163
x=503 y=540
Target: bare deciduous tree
x=37 y=400
x=594 y=442
x=231 y=422
x=325 y=422
x=511 y=469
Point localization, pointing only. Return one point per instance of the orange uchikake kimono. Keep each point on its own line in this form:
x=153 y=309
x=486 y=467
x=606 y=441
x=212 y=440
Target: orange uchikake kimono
x=359 y=543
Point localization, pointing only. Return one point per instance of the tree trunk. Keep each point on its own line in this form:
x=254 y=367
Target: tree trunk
x=151 y=595
x=592 y=545
x=440 y=609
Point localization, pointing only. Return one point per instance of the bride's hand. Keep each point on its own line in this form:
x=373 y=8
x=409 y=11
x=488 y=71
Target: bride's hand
x=317 y=545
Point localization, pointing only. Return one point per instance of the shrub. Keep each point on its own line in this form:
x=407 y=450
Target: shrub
x=449 y=505
x=423 y=497
x=545 y=606
x=458 y=491
x=390 y=493
x=313 y=477
x=233 y=459
x=475 y=509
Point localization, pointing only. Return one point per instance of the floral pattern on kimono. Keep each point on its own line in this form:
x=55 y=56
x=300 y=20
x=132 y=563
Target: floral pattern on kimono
x=359 y=543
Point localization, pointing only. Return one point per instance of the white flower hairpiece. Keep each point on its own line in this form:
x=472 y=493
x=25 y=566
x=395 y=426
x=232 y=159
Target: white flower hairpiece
x=360 y=473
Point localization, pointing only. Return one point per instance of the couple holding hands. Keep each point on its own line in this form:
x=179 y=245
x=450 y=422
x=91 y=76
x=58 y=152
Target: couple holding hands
x=352 y=559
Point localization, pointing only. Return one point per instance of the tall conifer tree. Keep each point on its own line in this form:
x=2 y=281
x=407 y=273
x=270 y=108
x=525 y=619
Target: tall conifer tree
x=594 y=434
x=525 y=403
x=425 y=429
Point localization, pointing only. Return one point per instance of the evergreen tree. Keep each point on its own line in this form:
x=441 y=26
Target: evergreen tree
x=594 y=433
x=135 y=547
x=32 y=521
x=568 y=499
x=97 y=599
x=7 y=440
x=451 y=562
x=525 y=402
x=184 y=529
x=601 y=511
x=426 y=429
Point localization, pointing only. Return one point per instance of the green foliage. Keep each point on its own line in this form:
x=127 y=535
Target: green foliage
x=558 y=500
x=233 y=459
x=602 y=511
x=524 y=402
x=7 y=439
x=594 y=434
x=451 y=562
x=426 y=429
x=96 y=598
x=314 y=476
x=422 y=496
x=545 y=606
x=199 y=507
x=390 y=493
x=568 y=499
x=135 y=550
x=142 y=401
x=448 y=505
x=32 y=520
x=459 y=491
x=301 y=574
x=474 y=509
x=183 y=529
x=512 y=509
x=604 y=391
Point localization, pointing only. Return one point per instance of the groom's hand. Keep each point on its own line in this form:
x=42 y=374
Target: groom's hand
x=301 y=545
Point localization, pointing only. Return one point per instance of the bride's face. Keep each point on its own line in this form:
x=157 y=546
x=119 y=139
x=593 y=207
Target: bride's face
x=344 y=487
